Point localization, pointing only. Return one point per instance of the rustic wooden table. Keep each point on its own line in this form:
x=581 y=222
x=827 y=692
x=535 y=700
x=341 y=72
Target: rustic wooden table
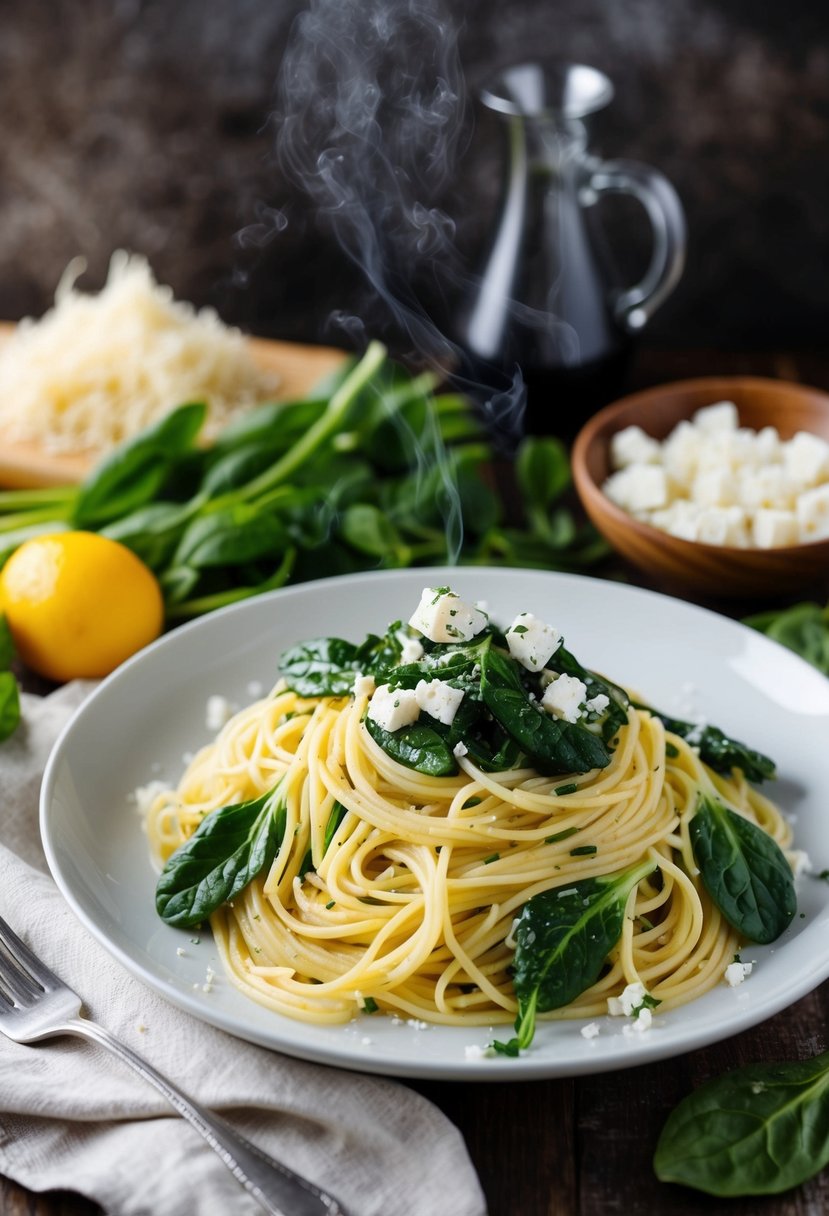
x=583 y=1146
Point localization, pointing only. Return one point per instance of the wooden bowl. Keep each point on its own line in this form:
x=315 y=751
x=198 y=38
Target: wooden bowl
x=709 y=570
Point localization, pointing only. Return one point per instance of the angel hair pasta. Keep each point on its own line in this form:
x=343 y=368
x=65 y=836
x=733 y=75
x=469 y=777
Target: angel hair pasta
x=467 y=826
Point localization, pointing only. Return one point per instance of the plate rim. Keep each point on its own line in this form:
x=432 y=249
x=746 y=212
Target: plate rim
x=644 y=1051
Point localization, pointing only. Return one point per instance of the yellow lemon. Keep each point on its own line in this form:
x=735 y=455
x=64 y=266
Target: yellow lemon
x=78 y=604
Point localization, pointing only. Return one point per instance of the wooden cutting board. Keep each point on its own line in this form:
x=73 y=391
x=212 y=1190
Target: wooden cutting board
x=300 y=367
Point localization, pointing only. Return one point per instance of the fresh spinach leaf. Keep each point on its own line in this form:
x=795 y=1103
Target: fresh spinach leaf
x=554 y=746
x=135 y=472
x=743 y=870
x=754 y=1131
x=228 y=849
x=716 y=749
x=152 y=532
x=231 y=536
x=418 y=746
x=563 y=938
x=336 y=815
x=9 y=705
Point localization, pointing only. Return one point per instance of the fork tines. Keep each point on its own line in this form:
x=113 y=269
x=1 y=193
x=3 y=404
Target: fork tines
x=23 y=977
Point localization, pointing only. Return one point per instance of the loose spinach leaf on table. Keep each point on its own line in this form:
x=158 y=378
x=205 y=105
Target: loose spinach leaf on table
x=563 y=938
x=755 y=1131
x=553 y=745
x=743 y=870
x=716 y=749
x=228 y=849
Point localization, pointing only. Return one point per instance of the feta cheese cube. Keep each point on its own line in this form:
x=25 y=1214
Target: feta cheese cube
x=715 y=487
x=633 y=446
x=442 y=616
x=766 y=487
x=597 y=704
x=639 y=487
x=772 y=528
x=532 y=643
x=363 y=685
x=439 y=699
x=768 y=447
x=813 y=513
x=564 y=696
x=680 y=453
x=720 y=417
x=393 y=709
x=722 y=526
x=806 y=459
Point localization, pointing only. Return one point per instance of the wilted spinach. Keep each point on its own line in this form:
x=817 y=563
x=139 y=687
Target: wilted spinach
x=804 y=628
x=228 y=849
x=743 y=870
x=716 y=749
x=563 y=938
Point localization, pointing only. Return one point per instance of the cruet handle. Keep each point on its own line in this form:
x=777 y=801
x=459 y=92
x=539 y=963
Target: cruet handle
x=634 y=306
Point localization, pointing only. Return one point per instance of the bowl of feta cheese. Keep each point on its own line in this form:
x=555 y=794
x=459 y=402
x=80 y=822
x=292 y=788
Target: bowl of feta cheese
x=718 y=485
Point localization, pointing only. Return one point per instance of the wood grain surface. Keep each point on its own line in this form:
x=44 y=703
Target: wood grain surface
x=583 y=1146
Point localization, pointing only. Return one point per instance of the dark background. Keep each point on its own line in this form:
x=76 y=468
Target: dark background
x=145 y=125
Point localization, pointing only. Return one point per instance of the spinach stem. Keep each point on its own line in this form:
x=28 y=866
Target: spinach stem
x=325 y=426
x=15 y=500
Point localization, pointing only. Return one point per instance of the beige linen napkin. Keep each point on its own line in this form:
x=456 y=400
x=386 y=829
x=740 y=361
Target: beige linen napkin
x=73 y=1117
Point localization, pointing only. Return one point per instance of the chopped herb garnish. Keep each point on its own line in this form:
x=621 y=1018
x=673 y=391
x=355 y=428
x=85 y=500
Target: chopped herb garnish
x=647 y=1002
x=370 y=1005
x=671 y=750
x=494 y=857
x=566 y=789
x=564 y=834
x=519 y=629
x=330 y=903
x=823 y=875
x=584 y=850
x=470 y=802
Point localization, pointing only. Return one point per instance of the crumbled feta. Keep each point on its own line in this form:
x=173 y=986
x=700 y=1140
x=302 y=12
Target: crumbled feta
x=473 y=1052
x=564 y=696
x=624 y=1005
x=411 y=650
x=255 y=689
x=460 y=749
x=642 y=1022
x=800 y=862
x=597 y=704
x=736 y=972
x=439 y=699
x=392 y=710
x=442 y=616
x=364 y=686
x=145 y=795
x=532 y=643
x=590 y=1031
x=217 y=712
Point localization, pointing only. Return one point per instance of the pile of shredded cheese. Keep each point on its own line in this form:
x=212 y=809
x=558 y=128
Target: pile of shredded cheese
x=96 y=369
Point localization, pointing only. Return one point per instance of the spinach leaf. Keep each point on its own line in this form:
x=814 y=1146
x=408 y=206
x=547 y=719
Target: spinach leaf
x=135 y=472
x=743 y=870
x=336 y=815
x=563 y=938
x=418 y=746
x=9 y=705
x=230 y=537
x=716 y=749
x=152 y=532
x=754 y=1131
x=228 y=849
x=324 y=667
x=554 y=746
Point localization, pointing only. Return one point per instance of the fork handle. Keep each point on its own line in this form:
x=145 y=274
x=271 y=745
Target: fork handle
x=276 y=1188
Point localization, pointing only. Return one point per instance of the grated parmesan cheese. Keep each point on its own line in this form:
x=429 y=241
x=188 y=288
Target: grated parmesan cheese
x=96 y=369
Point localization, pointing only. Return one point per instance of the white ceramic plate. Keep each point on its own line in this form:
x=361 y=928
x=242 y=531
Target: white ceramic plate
x=142 y=720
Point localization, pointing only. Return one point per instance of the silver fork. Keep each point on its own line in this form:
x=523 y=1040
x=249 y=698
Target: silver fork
x=35 y=1005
